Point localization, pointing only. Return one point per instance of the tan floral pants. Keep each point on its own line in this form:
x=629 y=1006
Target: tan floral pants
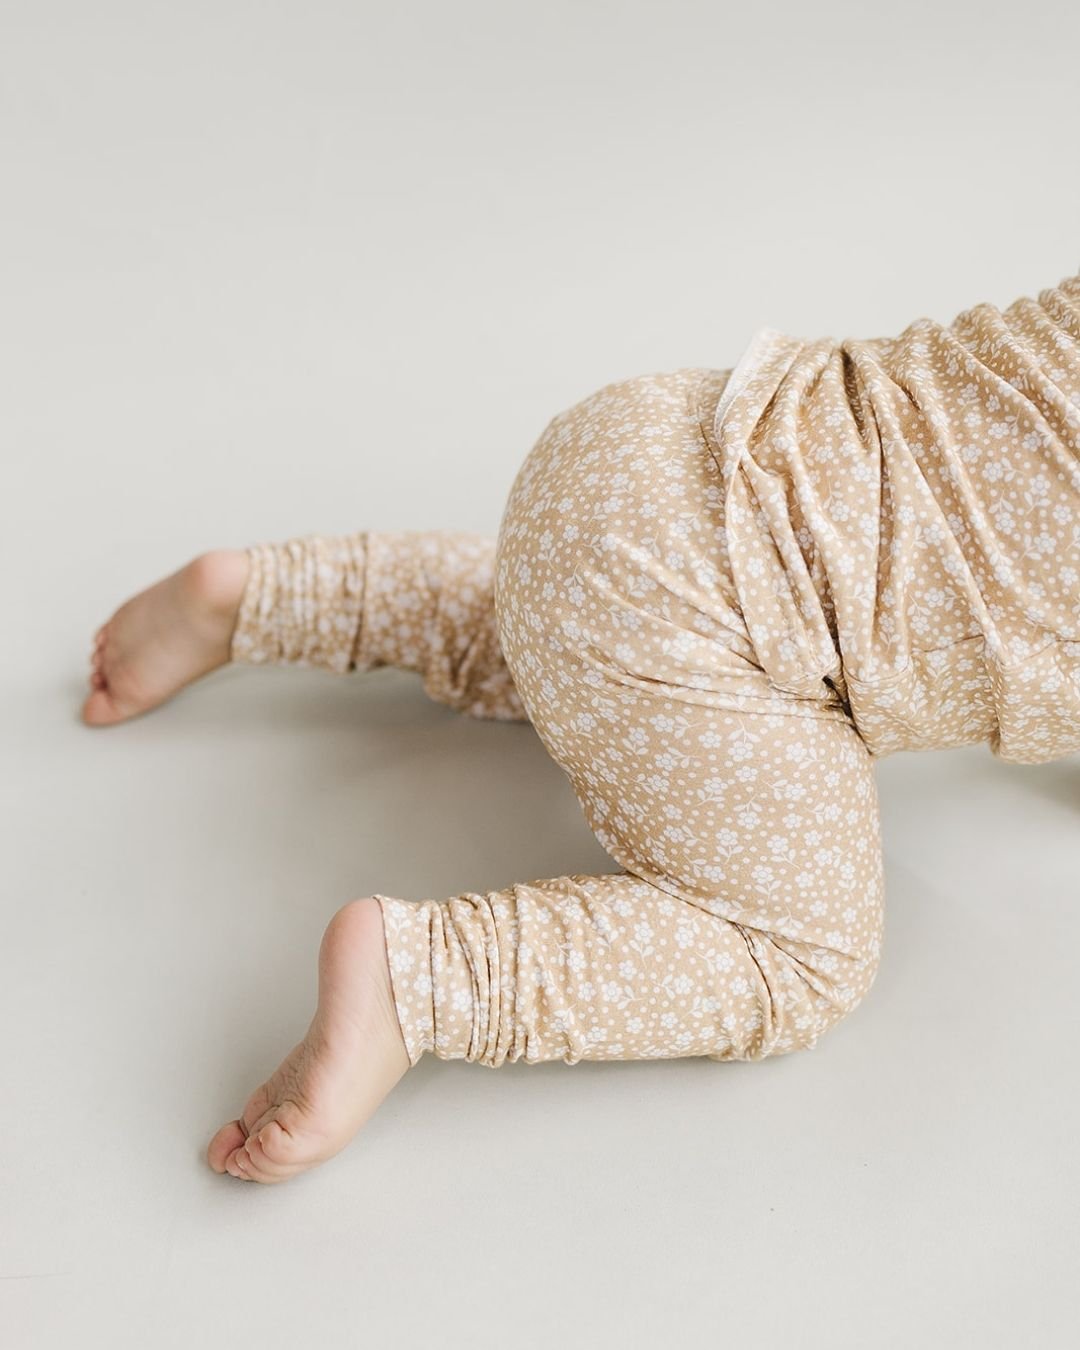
x=718 y=596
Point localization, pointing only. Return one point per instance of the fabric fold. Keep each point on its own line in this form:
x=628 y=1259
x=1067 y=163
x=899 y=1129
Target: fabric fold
x=899 y=507
x=304 y=603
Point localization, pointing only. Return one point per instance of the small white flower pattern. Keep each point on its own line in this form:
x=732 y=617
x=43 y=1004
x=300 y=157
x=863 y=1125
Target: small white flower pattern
x=718 y=596
x=904 y=520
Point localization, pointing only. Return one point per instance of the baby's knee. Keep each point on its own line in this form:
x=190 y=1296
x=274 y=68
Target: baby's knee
x=846 y=979
x=804 y=989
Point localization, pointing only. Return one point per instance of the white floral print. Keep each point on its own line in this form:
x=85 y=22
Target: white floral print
x=719 y=596
x=903 y=521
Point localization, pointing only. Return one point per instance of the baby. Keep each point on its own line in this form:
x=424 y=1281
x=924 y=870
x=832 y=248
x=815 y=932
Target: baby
x=719 y=596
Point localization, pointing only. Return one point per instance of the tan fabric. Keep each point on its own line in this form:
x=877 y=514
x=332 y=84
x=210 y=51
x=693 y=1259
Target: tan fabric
x=719 y=596
x=902 y=518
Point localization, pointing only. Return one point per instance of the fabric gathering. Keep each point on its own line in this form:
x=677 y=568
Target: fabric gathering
x=718 y=596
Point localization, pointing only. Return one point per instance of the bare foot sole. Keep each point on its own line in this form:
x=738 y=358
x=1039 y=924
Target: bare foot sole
x=335 y=1079
x=165 y=637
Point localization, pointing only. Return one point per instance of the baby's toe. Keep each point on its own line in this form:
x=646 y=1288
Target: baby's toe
x=101 y=708
x=236 y=1166
x=227 y=1140
x=250 y=1163
x=281 y=1147
x=256 y=1162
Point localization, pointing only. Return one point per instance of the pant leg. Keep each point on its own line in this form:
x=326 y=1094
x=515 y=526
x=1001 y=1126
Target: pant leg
x=748 y=916
x=421 y=600
x=616 y=966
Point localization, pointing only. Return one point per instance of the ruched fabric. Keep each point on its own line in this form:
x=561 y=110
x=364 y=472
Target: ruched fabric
x=719 y=596
x=903 y=520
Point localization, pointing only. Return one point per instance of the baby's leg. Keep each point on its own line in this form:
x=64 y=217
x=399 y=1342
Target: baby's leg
x=421 y=600
x=750 y=924
x=746 y=925
x=749 y=915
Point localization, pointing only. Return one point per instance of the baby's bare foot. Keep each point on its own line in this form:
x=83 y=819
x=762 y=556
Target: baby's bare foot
x=334 y=1080
x=165 y=637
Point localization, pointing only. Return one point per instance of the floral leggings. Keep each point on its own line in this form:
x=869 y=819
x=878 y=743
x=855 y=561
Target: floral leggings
x=622 y=611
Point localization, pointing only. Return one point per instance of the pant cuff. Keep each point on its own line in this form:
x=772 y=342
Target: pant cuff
x=407 y=930
x=303 y=603
x=451 y=979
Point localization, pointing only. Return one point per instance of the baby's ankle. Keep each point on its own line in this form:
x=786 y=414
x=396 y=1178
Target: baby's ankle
x=216 y=580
